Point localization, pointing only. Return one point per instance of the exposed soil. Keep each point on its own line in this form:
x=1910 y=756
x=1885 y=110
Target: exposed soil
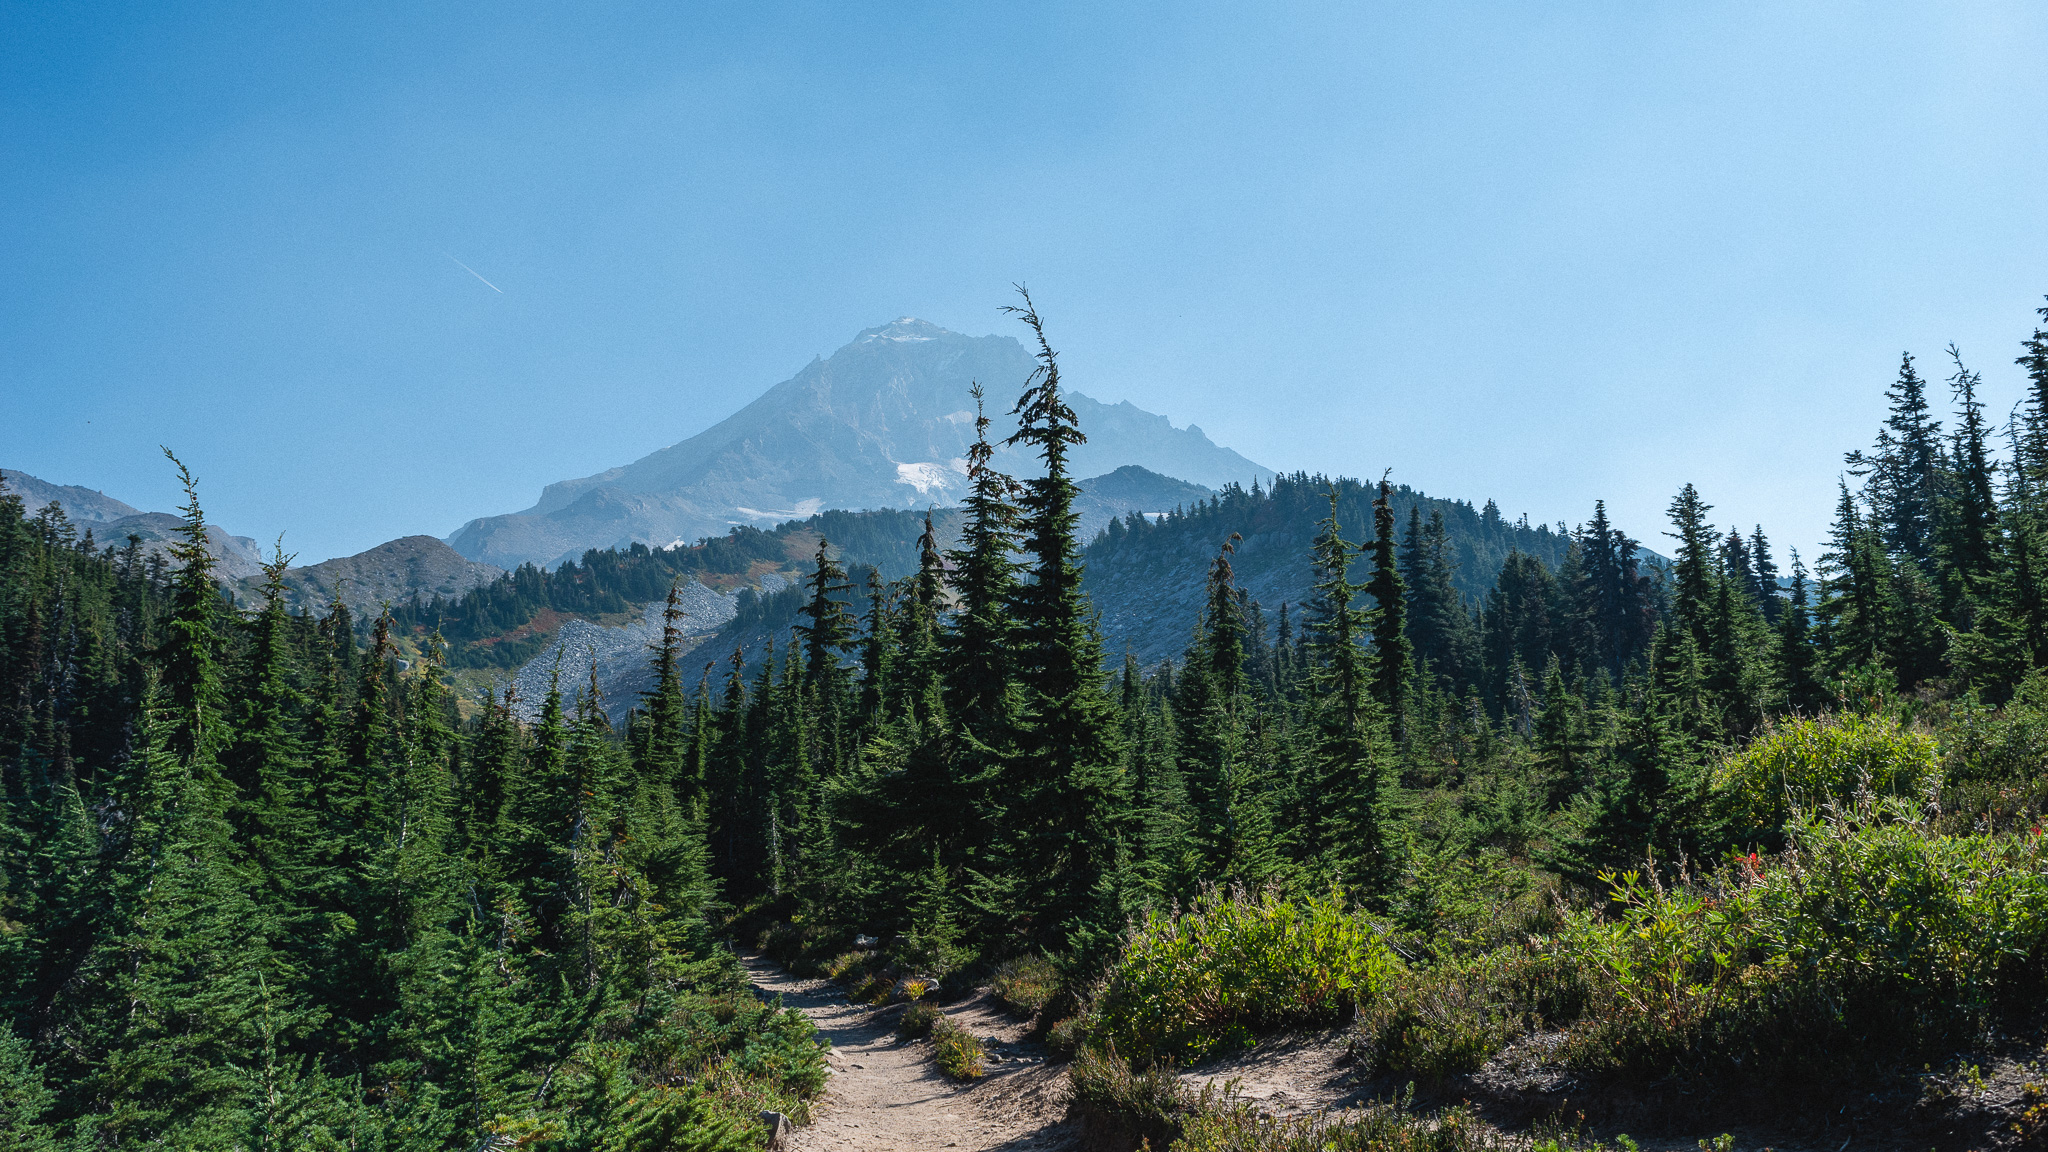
x=886 y=1094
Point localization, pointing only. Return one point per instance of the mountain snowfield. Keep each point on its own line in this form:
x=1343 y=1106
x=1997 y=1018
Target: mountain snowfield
x=884 y=422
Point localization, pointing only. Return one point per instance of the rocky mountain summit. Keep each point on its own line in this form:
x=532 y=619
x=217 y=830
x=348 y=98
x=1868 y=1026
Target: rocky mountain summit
x=885 y=422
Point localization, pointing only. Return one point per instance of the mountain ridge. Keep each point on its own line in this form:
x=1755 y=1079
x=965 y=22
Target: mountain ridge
x=883 y=422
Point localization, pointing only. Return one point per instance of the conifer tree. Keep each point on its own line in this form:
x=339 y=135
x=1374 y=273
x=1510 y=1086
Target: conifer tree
x=1769 y=602
x=1068 y=799
x=1904 y=473
x=1796 y=658
x=1967 y=540
x=1694 y=567
x=1349 y=756
x=977 y=646
x=1560 y=741
x=830 y=624
x=1392 y=658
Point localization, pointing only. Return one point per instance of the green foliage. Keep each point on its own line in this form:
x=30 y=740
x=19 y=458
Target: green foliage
x=24 y=1098
x=917 y=1020
x=959 y=1052
x=1066 y=1038
x=1236 y=964
x=1807 y=763
x=1451 y=1019
x=1025 y=984
x=1130 y=1106
x=1874 y=939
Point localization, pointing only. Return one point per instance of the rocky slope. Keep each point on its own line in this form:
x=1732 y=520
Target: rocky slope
x=884 y=422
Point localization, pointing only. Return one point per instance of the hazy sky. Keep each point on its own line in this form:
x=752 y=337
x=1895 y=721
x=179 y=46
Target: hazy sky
x=1538 y=252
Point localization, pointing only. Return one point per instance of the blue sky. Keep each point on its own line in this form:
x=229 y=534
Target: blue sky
x=1540 y=252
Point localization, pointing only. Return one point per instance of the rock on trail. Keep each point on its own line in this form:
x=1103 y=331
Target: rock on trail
x=886 y=1095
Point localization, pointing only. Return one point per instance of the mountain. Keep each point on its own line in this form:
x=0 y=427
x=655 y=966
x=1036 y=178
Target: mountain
x=883 y=423
x=80 y=504
x=395 y=571
x=112 y=522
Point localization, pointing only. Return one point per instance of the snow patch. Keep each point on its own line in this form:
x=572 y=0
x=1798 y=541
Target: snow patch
x=928 y=477
x=810 y=506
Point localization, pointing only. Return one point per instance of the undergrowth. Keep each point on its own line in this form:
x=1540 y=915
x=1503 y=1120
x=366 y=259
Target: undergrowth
x=958 y=1051
x=1235 y=965
x=1025 y=984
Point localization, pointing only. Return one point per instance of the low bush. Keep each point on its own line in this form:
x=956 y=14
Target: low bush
x=1065 y=1038
x=1235 y=965
x=959 y=1053
x=1236 y=1126
x=1814 y=763
x=917 y=1020
x=1872 y=940
x=1025 y=984
x=1451 y=1019
x=1125 y=1106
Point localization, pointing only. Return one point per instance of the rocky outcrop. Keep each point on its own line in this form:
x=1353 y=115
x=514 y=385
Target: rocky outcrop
x=619 y=657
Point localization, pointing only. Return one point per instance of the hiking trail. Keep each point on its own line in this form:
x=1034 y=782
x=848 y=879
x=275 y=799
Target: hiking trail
x=885 y=1094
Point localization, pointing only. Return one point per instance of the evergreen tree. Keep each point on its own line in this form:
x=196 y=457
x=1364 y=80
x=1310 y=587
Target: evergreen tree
x=977 y=646
x=1348 y=758
x=1393 y=661
x=1069 y=802
x=1796 y=658
x=1967 y=539
x=1904 y=474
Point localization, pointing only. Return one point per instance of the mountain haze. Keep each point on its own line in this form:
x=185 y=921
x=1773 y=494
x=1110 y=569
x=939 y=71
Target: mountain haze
x=112 y=522
x=884 y=422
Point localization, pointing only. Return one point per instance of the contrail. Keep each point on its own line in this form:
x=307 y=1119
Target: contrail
x=475 y=273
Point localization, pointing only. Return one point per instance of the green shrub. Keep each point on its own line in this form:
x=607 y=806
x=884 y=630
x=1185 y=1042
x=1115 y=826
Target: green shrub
x=1066 y=1038
x=1025 y=984
x=1452 y=1019
x=917 y=1020
x=1127 y=1107
x=1873 y=940
x=959 y=1053
x=1811 y=763
x=1236 y=964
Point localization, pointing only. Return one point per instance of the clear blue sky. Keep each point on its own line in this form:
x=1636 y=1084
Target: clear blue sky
x=1538 y=252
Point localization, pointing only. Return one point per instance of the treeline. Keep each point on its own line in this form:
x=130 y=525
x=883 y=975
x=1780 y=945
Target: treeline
x=1145 y=573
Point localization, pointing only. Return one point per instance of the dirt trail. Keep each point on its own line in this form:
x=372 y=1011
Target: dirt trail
x=886 y=1095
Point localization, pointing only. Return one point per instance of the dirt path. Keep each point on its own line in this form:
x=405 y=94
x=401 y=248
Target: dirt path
x=886 y=1095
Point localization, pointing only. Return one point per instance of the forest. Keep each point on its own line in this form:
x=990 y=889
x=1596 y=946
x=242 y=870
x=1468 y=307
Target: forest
x=1730 y=827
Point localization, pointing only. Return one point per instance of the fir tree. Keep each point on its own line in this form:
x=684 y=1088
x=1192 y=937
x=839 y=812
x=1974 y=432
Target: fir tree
x=1392 y=658
x=1067 y=796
